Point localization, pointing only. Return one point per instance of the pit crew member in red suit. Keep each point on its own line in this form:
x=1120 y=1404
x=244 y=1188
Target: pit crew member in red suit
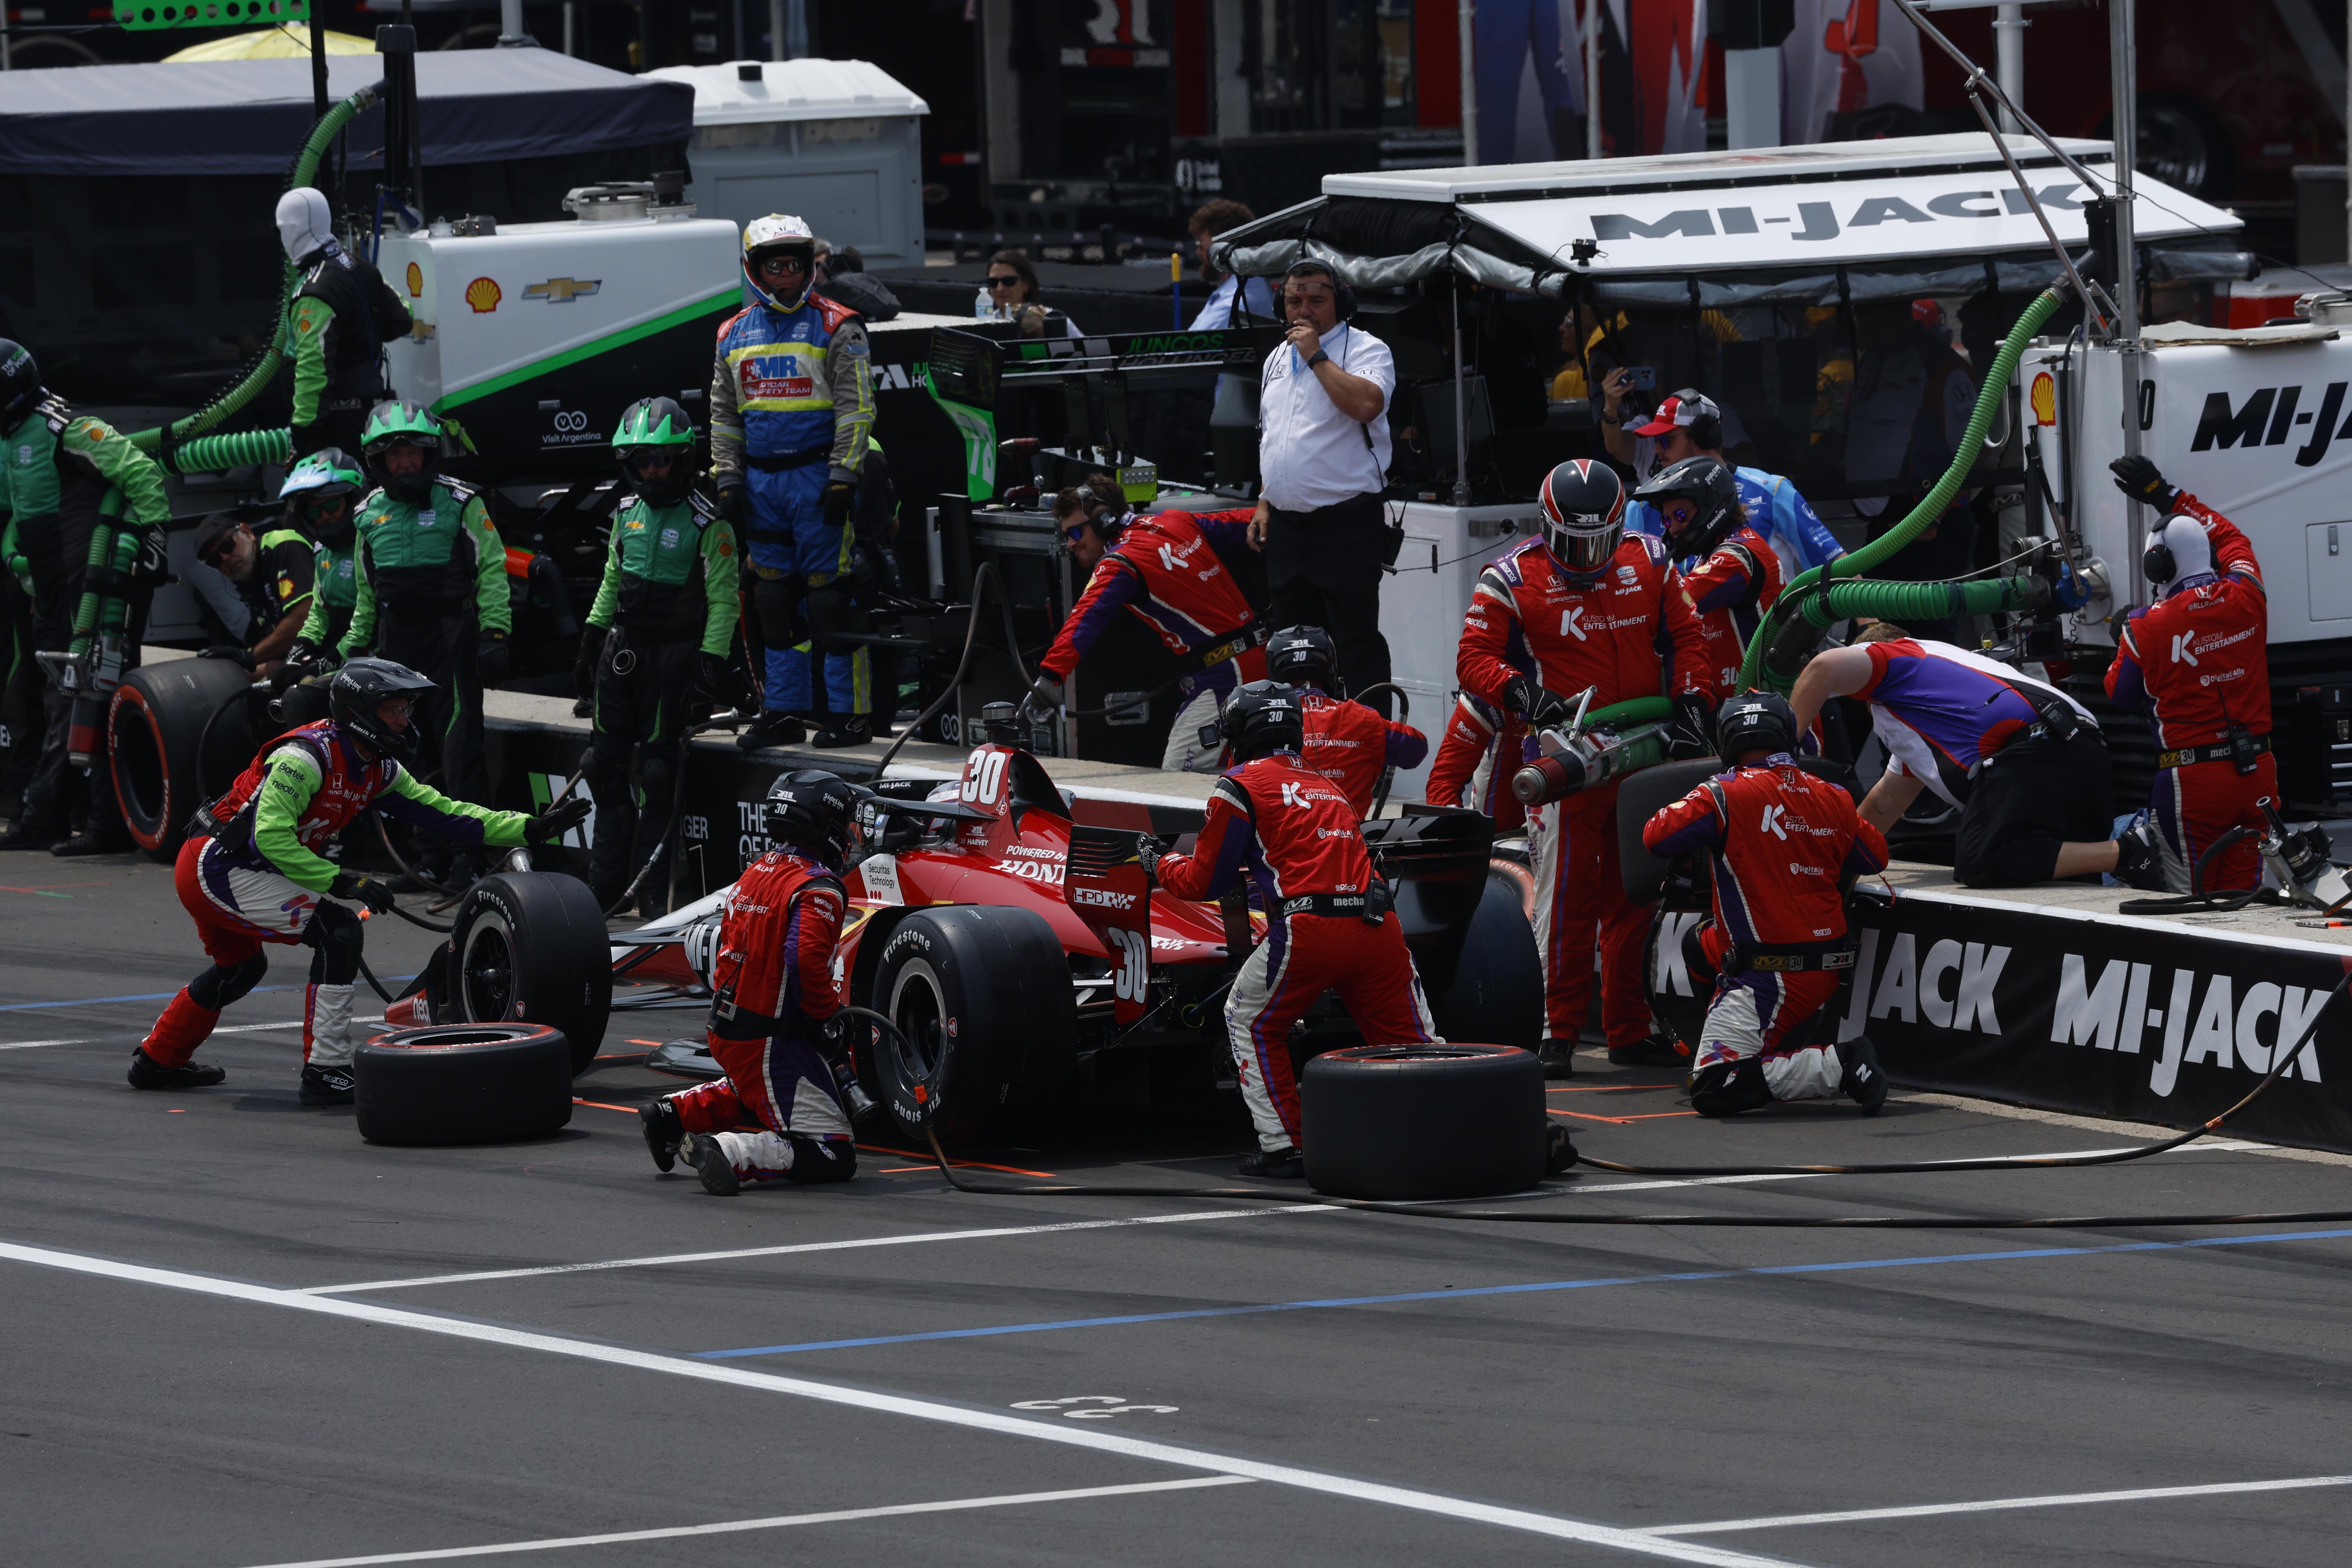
x=1481 y=746
x=1584 y=606
x=1328 y=925
x=252 y=872
x=1161 y=566
x=1783 y=847
x=772 y=991
x=2198 y=660
x=1348 y=742
x=1729 y=572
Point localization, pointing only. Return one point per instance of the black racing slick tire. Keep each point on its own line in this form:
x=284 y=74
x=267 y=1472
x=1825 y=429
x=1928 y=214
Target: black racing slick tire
x=1423 y=1122
x=1498 y=993
x=986 y=1013
x=529 y=947
x=155 y=726
x=463 y=1083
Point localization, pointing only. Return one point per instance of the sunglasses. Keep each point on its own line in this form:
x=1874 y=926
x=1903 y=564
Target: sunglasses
x=782 y=266
x=1003 y=279
x=221 y=549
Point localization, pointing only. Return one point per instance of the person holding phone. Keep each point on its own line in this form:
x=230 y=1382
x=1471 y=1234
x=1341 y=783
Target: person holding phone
x=1688 y=425
x=1323 y=448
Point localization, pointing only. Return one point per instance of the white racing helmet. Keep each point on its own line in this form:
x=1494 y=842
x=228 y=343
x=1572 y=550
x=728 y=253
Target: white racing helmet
x=1583 y=505
x=778 y=233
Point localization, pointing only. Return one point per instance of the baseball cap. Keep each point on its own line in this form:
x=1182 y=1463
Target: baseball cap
x=1685 y=408
x=211 y=531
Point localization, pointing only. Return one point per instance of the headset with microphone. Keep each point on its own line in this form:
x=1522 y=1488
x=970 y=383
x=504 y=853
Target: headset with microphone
x=1343 y=298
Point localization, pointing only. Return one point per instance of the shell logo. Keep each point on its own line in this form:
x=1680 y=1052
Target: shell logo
x=416 y=281
x=483 y=295
x=2045 y=398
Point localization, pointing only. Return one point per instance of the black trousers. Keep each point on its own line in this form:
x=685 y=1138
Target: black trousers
x=57 y=547
x=2033 y=795
x=641 y=697
x=338 y=428
x=1323 y=568
x=440 y=644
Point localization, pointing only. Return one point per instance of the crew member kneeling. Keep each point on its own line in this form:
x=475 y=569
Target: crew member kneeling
x=250 y=872
x=772 y=988
x=1328 y=926
x=1784 y=847
x=2198 y=660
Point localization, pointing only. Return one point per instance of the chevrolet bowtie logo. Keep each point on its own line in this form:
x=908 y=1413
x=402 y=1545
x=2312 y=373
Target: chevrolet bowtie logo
x=563 y=290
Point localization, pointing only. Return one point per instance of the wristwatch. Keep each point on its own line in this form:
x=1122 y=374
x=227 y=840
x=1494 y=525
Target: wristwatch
x=1318 y=357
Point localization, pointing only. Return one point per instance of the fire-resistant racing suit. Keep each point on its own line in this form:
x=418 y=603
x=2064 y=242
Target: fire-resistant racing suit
x=2200 y=662
x=257 y=876
x=1164 y=570
x=1353 y=745
x=792 y=405
x=1530 y=616
x=1481 y=745
x=335 y=593
x=1296 y=835
x=432 y=580
x=773 y=984
x=1783 y=847
x=1730 y=590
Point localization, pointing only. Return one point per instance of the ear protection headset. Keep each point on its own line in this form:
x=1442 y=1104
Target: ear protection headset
x=1706 y=430
x=1343 y=298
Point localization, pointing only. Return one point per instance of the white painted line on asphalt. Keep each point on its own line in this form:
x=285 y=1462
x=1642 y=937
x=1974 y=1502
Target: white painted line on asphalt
x=677 y=1258
x=967 y=1417
x=781 y=1521
x=2056 y=1499
x=126 y=1039
x=2208 y=1146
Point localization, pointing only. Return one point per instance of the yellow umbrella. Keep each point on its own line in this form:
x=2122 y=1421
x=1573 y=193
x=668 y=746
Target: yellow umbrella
x=283 y=41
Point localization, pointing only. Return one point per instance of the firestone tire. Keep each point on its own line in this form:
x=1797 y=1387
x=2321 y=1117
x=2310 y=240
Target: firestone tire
x=154 y=727
x=982 y=998
x=1424 y=1121
x=529 y=947
x=463 y=1083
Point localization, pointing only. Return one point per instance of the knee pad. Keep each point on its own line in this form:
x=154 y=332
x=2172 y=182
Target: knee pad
x=597 y=768
x=335 y=934
x=831 y=613
x=778 y=601
x=813 y=1161
x=656 y=772
x=216 y=987
x=1726 y=1089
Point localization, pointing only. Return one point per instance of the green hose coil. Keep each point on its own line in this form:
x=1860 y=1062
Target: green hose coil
x=94 y=565
x=236 y=449
x=1637 y=710
x=265 y=369
x=1801 y=593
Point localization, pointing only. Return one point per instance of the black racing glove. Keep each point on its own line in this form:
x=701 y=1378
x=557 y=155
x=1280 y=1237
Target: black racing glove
x=584 y=669
x=1147 y=850
x=2139 y=479
x=712 y=671
x=556 y=821
x=1542 y=709
x=1044 y=696
x=840 y=500
x=285 y=674
x=732 y=502
x=370 y=890
x=231 y=652
x=491 y=658
x=1693 y=734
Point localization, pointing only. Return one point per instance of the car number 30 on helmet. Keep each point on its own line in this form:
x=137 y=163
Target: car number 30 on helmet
x=983 y=776
x=1133 y=951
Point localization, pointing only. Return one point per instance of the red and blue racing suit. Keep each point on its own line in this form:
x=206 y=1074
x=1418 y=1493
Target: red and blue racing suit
x=1352 y=745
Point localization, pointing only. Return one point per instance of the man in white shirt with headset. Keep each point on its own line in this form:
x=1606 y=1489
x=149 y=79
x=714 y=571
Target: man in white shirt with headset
x=1323 y=453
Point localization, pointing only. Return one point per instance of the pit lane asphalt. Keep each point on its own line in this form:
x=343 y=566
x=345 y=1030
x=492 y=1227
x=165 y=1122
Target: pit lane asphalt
x=1632 y=1379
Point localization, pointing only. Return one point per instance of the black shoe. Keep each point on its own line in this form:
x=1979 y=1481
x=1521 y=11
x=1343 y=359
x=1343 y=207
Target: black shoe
x=663 y=1133
x=2139 y=858
x=464 y=870
x=1864 y=1082
x=146 y=1072
x=1283 y=1164
x=22 y=835
x=325 y=1086
x=772 y=730
x=1559 y=1059
x=710 y=1163
x=1649 y=1051
x=1558 y=1152
x=82 y=844
x=853 y=730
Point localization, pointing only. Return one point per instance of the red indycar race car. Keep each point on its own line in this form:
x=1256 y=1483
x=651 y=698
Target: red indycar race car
x=1024 y=956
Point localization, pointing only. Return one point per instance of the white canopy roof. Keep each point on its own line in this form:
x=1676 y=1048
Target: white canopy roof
x=792 y=89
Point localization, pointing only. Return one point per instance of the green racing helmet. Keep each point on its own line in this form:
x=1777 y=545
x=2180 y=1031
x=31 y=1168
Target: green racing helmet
x=396 y=422
x=656 y=427
x=312 y=486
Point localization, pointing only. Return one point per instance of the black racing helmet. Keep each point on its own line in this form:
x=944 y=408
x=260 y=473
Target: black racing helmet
x=1262 y=718
x=20 y=383
x=1583 y=506
x=360 y=688
x=397 y=422
x=813 y=809
x=1755 y=722
x=1708 y=484
x=1304 y=656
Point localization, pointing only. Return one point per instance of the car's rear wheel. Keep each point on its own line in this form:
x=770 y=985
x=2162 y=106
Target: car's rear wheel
x=985 y=1020
x=1498 y=993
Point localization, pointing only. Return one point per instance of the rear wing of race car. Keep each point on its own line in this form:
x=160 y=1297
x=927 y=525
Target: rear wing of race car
x=1106 y=886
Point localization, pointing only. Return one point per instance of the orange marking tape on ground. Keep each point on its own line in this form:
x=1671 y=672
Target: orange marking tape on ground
x=975 y=1164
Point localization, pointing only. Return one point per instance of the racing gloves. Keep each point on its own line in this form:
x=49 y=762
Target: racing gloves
x=2139 y=479
x=372 y=891
x=490 y=660
x=840 y=500
x=730 y=502
x=710 y=673
x=1147 y=850
x=1693 y=734
x=556 y=821
x=1543 y=708
x=1044 y=696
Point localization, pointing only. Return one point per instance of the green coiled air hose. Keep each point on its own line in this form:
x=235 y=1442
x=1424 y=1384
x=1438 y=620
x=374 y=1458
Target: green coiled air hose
x=1635 y=711
x=1891 y=602
x=236 y=449
x=1801 y=593
x=94 y=564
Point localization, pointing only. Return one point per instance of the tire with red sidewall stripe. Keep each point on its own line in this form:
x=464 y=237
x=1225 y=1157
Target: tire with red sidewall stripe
x=154 y=725
x=463 y=1083
x=528 y=947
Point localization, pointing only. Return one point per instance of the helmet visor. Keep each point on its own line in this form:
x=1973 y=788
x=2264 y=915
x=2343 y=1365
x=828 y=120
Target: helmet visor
x=1585 y=541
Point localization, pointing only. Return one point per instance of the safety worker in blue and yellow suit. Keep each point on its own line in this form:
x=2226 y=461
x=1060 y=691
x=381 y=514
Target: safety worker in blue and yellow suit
x=792 y=405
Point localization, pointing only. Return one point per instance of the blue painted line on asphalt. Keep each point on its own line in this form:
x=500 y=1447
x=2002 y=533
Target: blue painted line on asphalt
x=155 y=997
x=1336 y=1301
